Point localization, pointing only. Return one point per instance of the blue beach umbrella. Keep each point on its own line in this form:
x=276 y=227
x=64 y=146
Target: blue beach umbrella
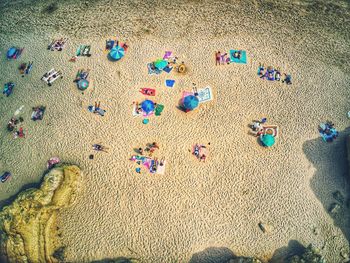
x=267 y=140
x=147 y=106
x=160 y=64
x=11 y=52
x=83 y=84
x=117 y=53
x=190 y=102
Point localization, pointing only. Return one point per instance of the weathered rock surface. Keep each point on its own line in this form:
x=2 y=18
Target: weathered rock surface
x=28 y=226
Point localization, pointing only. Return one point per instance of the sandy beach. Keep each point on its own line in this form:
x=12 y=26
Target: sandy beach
x=194 y=205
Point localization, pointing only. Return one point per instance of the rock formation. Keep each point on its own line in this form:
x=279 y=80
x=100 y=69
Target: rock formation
x=28 y=230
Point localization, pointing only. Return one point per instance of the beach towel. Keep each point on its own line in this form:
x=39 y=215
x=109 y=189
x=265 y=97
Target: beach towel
x=205 y=95
x=242 y=59
x=158 y=109
x=134 y=113
x=170 y=83
x=161 y=168
x=168 y=69
x=148 y=91
x=167 y=54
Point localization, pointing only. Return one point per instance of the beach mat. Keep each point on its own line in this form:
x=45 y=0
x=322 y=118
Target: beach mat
x=167 y=54
x=161 y=168
x=205 y=95
x=170 y=83
x=159 y=109
x=242 y=60
x=168 y=69
x=134 y=113
x=148 y=91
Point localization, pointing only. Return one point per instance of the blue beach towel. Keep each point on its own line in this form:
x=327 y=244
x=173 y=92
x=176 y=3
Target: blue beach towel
x=170 y=83
x=167 y=69
x=242 y=60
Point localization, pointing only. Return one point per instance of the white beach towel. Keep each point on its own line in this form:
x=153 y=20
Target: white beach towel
x=161 y=168
x=205 y=95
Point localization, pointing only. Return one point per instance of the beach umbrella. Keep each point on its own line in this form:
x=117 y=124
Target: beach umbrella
x=147 y=106
x=117 y=53
x=11 y=52
x=190 y=102
x=160 y=64
x=83 y=84
x=267 y=140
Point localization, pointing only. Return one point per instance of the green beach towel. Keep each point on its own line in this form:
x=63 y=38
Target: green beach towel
x=158 y=109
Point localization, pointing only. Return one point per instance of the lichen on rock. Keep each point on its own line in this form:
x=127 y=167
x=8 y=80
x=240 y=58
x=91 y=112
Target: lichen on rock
x=28 y=225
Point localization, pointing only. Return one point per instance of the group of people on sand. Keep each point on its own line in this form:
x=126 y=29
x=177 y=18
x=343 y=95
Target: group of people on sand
x=12 y=127
x=222 y=58
x=57 y=44
x=150 y=149
x=271 y=73
x=257 y=127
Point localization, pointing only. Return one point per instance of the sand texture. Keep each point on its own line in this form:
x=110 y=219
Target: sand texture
x=194 y=206
x=29 y=231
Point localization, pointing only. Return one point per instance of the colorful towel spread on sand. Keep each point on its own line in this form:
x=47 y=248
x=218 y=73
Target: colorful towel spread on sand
x=242 y=59
x=153 y=166
x=205 y=95
x=167 y=54
x=148 y=91
x=168 y=69
x=158 y=109
x=170 y=83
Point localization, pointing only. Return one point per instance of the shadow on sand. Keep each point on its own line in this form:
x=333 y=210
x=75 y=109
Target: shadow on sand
x=213 y=255
x=282 y=254
x=331 y=176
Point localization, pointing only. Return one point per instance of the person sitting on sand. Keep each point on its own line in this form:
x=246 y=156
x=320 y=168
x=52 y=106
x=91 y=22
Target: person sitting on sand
x=222 y=59
x=99 y=148
x=237 y=54
x=125 y=46
x=19 y=133
x=277 y=75
x=287 y=79
x=202 y=158
x=140 y=150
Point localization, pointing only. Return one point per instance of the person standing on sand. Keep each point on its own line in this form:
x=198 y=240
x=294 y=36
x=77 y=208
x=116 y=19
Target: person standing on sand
x=222 y=59
x=217 y=58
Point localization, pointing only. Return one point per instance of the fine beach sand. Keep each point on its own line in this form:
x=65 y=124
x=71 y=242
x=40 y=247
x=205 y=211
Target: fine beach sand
x=194 y=206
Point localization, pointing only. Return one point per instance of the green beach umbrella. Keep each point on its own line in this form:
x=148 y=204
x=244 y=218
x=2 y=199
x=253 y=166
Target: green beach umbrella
x=83 y=84
x=160 y=64
x=267 y=140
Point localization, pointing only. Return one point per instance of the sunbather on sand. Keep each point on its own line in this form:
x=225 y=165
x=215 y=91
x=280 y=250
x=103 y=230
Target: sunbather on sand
x=287 y=79
x=99 y=148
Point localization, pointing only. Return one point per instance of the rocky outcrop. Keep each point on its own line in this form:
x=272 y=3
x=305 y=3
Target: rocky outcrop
x=310 y=255
x=28 y=226
x=244 y=260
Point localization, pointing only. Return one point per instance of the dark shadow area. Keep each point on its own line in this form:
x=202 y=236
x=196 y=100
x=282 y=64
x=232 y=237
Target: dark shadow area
x=51 y=8
x=114 y=260
x=12 y=198
x=330 y=182
x=213 y=255
x=282 y=254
